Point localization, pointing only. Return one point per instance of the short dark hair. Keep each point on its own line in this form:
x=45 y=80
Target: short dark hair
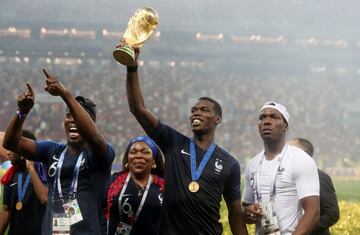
x=217 y=106
x=88 y=105
x=305 y=145
x=28 y=134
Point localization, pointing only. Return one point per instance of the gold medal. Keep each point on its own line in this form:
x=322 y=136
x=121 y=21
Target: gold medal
x=18 y=206
x=194 y=187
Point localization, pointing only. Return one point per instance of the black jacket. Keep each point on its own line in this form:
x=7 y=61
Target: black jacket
x=329 y=208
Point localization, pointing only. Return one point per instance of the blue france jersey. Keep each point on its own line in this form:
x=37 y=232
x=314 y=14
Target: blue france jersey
x=94 y=176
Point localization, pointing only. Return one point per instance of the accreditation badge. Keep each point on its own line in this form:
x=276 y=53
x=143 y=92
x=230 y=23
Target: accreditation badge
x=60 y=224
x=269 y=221
x=123 y=229
x=72 y=210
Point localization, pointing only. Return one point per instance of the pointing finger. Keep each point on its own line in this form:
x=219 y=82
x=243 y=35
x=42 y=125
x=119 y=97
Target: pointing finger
x=30 y=89
x=46 y=73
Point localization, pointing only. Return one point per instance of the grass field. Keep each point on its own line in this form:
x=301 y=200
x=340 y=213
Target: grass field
x=348 y=193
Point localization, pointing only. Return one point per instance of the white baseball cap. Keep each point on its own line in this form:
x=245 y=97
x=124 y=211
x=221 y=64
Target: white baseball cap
x=279 y=107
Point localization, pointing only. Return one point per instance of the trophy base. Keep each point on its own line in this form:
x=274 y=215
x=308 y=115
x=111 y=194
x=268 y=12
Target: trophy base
x=124 y=55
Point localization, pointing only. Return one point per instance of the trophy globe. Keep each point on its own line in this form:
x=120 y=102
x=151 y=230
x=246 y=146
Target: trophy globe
x=141 y=27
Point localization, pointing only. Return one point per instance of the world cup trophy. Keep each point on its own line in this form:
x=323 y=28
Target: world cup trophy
x=141 y=27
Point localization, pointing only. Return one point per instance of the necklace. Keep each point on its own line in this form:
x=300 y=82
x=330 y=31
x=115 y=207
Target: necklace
x=140 y=189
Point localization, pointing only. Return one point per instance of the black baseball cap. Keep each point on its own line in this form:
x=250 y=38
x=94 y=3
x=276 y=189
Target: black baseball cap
x=88 y=105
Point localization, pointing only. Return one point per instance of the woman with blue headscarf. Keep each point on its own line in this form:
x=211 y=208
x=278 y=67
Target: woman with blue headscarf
x=134 y=197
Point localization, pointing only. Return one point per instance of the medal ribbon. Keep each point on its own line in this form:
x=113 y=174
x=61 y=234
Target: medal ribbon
x=196 y=173
x=22 y=189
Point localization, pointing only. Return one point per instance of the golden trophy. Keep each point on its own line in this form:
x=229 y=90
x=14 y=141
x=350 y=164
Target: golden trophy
x=140 y=28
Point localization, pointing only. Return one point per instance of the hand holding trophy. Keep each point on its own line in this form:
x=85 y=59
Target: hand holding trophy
x=140 y=28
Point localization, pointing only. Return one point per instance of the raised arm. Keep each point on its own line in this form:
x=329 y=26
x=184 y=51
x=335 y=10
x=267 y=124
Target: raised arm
x=84 y=124
x=12 y=138
x=144 y=116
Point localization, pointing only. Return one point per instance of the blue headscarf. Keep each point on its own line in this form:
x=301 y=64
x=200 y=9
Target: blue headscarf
x=148 y=141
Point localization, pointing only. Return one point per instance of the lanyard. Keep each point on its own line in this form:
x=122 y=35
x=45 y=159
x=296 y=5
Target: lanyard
x=22 y=189
x=256 y=187
x=196 y=173
x=74 y=182
x=142 y=202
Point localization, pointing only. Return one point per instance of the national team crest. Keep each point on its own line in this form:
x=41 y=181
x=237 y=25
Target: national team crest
x=218 y=166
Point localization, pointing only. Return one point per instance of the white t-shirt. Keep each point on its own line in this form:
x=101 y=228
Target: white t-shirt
x=296 y=178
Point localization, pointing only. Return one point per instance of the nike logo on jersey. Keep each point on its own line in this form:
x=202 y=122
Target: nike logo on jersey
x=13 y=184
x=183 y=152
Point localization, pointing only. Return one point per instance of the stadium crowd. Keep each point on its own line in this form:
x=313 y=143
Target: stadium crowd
x=322 y=105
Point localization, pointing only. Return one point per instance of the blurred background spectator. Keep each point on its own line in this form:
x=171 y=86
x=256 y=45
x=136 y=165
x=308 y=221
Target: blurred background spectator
x=242 y=53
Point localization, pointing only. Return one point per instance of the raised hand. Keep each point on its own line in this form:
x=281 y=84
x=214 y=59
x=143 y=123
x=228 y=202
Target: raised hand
x=26 y=100
x=53 y=85
x=136 y=50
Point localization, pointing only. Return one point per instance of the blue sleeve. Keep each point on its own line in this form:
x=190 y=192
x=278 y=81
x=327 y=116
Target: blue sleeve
x=110 y=154
x=104 y=161
x=232 y=184
x=165 y=137
x=41 y=171
x=45 y=150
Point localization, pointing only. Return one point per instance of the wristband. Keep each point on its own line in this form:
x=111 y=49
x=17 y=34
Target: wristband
x=132 y=69
x=21 y=115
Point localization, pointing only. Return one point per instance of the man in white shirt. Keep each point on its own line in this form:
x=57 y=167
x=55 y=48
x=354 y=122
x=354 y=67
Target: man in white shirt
x=281 y=192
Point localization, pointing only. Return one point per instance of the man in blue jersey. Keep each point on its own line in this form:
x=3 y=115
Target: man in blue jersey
x=197 y=171
x=78 y=171
x=25 y=195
